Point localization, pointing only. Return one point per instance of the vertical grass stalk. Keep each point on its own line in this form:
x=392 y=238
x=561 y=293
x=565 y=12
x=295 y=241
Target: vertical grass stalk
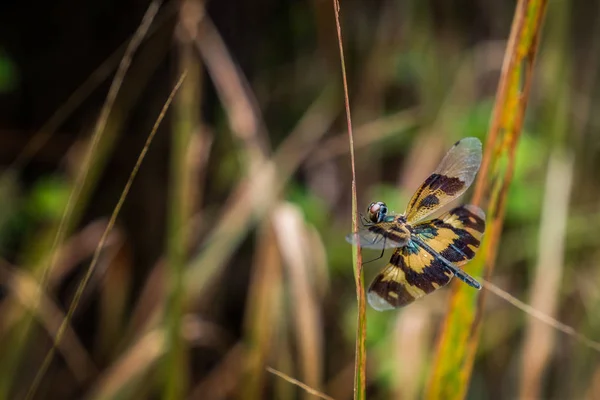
x=360 y=365
x=186 y=121
x=458 y=341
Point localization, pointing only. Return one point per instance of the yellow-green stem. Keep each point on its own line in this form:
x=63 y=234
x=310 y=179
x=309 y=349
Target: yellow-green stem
x=458 y=341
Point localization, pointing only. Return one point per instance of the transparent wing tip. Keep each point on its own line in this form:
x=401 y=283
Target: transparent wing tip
x=377 y=302
x=470 y=142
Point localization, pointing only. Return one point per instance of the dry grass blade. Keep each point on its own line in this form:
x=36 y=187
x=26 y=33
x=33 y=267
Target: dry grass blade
x=26 y=291
x=538 y=344
x=135 y=362
x=365 y=135
x=84 y=175
x=253 y=197
x=546 y=319
x=263 y=310
x=360 y=379
x=46 y=363
x=99 y=129
x=80 y=180
x=125 y=375
x=457 y=344
x=234 y=91
x=44 y=134
x=181 y=199
x=293 y=244
x=299 y=384
x=412 y=337
x=77 y=249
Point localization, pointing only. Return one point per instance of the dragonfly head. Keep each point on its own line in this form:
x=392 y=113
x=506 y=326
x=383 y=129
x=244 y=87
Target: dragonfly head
x=377 y=211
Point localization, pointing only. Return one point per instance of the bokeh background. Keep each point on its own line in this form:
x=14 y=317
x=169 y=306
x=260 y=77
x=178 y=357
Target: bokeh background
x=233 y=231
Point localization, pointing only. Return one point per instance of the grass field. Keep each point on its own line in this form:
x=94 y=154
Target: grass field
x=175 y=199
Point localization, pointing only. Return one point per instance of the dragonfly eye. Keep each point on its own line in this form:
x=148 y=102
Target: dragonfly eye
x=377 y=212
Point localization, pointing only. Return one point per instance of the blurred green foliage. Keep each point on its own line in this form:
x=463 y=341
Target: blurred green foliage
x=47 y=199
x=9 y=77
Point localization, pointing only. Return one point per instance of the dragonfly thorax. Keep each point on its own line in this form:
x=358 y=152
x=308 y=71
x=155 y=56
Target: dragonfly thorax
x=400 y=233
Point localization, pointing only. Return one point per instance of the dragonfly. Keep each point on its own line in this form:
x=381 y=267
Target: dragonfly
x=428 y=253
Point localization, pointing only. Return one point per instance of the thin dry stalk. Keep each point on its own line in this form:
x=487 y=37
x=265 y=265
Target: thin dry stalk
x=26 y=290
x=80 y=180
x=78 y=186
x=296 y=382
x=248 y=202
x=222 y=240
x=77 y=249
x=548 y=320
x=45 y=133
x=46 y=363
x=254 y=195
x=99 y=129
x=113 y=303
x=360 y=373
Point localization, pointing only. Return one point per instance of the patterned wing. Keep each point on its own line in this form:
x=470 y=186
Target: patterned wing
x=413 y=272
x=452 y=178
x=382 y=235
x=456 y=235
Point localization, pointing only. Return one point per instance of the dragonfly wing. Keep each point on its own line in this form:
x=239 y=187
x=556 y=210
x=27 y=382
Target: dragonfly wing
x=451 y=179
x=411 y=274
x=456 y=235
x=384 y=235
x=414 y=271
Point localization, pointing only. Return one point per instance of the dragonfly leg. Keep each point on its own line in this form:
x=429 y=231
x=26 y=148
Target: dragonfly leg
x=382 y=251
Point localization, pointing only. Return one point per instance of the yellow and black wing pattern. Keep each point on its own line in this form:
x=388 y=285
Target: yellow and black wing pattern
x=451 y=179
x=414 y=272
